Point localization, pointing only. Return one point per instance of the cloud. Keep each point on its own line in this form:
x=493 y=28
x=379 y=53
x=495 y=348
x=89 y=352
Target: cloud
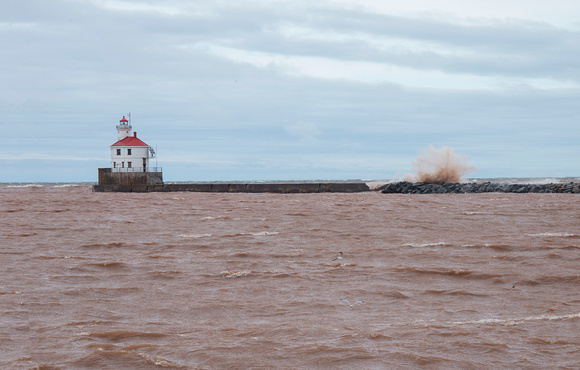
x=305 y=131
x=287 y=85
x=138 y=7
x=514 y=48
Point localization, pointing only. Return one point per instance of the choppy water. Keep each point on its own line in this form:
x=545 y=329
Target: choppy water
x=202 y=280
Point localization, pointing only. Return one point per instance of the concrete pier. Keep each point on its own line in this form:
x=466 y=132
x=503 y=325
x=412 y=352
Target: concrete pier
x=240 y=187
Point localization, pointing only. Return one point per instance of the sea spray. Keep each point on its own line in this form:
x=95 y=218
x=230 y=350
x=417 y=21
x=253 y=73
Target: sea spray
x=439 y=165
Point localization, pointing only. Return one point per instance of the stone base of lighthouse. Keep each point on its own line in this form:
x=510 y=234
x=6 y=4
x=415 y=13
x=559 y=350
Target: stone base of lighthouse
x=108 y=177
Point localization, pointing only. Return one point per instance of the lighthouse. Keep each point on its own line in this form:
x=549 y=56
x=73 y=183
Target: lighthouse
x=129 y=153
x=123 y=129
x=130 y=161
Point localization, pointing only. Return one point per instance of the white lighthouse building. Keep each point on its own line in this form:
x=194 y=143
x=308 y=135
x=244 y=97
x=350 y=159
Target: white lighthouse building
x=129 y=154
x=130 y=170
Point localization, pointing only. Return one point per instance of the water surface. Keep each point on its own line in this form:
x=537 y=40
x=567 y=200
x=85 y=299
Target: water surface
x=205 y=280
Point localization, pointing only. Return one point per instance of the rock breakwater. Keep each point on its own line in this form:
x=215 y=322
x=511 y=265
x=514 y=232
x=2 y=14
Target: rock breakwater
x=405 y=187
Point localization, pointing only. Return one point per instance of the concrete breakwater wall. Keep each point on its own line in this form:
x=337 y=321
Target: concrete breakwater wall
x=262 y=187
x=404 y=187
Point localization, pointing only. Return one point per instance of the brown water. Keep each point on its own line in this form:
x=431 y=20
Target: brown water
x=201 y=280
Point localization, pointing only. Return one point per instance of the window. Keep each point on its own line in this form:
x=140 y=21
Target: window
x=114 y=164
x=128 y=164
x=118 y=151
x=122 y=164
x=129 y=153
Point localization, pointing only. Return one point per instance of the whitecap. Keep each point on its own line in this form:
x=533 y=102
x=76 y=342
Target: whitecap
x=543 y=181
x=264 y=233
x=375 y=185
x=520 y=320
x=564 y=234
x=158 y=361
x=424 y=245
x=25 y=186
x=207 y=218
x=195 y=236
x=509 y=321
x=65 y=185
x=234 y=274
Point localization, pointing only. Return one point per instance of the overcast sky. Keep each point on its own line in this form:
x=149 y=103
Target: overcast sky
x=277 y=90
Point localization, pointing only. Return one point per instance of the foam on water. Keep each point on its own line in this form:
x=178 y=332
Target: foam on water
x=25 y=186
x=264 y=233
x=376 y=184
x=195 y=236
x=563 y=234
x=510 y=321
x=235 y=274
x=209 y=218
x=424 y=245
x=542 y=181
x=519 y=320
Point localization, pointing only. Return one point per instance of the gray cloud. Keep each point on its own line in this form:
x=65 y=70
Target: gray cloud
x=70 y=69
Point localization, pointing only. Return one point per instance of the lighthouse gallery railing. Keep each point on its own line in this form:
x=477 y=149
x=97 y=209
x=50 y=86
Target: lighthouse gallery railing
x=136 y=169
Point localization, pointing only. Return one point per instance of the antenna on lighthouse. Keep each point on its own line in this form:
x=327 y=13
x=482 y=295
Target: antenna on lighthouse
x=129 y=118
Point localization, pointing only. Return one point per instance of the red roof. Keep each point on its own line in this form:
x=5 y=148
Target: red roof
x=130 y=141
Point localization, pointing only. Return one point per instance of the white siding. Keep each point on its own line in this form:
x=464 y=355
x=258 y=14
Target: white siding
x=119 y=162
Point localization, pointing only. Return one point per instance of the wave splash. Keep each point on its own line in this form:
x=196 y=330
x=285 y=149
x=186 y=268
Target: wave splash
x=439 y=165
